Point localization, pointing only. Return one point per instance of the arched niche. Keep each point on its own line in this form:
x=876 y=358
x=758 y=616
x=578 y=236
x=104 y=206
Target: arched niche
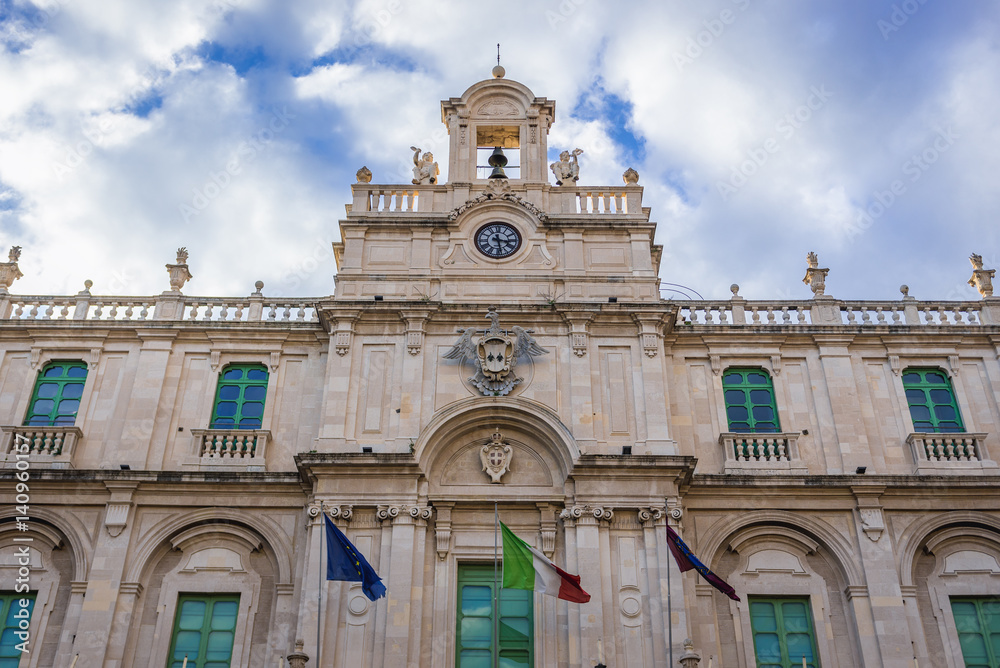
x=775 y=553
x=543 y=450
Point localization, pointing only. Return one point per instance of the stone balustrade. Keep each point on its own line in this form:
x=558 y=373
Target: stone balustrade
x=53 y=444
x=140 y=309
x=830 y=312
x=370 y=198
x=949 y=453
x=761 y=453
x=239 y=446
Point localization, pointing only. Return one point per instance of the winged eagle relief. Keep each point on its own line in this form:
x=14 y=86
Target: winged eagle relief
x=497 y=352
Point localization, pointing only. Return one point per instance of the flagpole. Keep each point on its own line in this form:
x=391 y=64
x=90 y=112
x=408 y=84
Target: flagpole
x=496 y=589
x=319 y=594
x=670 y=614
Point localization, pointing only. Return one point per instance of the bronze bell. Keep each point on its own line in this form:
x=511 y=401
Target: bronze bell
x=497 y=161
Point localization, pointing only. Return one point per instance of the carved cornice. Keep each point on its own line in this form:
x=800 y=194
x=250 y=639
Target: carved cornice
x=499 y=192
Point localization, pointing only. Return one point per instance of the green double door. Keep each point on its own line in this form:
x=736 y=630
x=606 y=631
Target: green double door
x=476 y=633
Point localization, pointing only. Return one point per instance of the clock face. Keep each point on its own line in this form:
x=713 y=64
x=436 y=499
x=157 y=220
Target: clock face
x=498 y=240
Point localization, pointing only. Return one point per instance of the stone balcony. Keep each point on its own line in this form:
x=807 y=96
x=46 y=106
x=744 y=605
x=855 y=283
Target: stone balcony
x=942 y=454
x=47 y=446
x=226 y=448
x=758 y=454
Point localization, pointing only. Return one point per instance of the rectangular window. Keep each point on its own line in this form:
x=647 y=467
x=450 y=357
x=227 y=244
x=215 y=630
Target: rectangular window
x=782 y=632
x=239 y=400
x=977 y=621
x=476 y=631
x=204 y=628
x=56 y=398
x=932 y=403
x=12 y=612
x=750 y=406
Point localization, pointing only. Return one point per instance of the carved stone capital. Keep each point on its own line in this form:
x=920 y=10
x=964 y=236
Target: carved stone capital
x=650 y=516
x=386 y=513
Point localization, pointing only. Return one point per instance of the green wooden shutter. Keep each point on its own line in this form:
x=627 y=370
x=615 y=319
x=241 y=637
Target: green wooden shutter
x=750 y=406
x=782 y=632
x=931 y=400
x=475 y=637
x=11 y=612
x=977 y=621
x=239 y=399
x=56 y=397
x=204 y=628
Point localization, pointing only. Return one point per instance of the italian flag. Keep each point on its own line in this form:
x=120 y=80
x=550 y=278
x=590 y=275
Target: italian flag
x=524 y=567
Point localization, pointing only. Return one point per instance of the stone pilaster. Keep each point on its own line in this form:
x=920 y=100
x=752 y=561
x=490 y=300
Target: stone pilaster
x=892 y=633
x=104 y=587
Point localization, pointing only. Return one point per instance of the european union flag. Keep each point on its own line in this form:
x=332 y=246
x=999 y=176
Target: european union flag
x=344 y=562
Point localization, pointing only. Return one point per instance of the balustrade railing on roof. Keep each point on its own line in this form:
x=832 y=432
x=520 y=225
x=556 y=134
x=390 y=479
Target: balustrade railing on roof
x=851 y=313
x=140 y=309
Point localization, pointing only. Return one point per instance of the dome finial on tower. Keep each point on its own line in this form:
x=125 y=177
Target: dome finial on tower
x=498 y=71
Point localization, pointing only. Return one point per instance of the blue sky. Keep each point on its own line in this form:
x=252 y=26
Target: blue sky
x=864 y=130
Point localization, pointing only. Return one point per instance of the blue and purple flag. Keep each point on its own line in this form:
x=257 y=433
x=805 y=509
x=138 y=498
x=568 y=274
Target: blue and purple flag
x=686 y=561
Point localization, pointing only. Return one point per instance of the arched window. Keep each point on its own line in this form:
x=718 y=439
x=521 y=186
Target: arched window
x=239 y=401
x=750 y=406
x=56 y=398
x=931 y=400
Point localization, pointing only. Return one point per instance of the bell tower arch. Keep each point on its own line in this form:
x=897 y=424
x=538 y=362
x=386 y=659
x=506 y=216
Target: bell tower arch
x=498 y=112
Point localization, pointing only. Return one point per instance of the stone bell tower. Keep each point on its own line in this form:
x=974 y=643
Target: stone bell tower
x=498 y=112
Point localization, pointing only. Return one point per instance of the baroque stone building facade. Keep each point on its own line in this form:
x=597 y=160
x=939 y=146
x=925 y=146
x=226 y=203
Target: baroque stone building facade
x=500 y=341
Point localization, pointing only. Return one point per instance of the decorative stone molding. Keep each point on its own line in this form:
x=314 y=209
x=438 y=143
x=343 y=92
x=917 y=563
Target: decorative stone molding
x=343 y=332
x=650 y=333
x=870 y=510
x=386 y=513
x=715 y=361
x=364 y=175
x=344 y=512
x=34 y=357
x=421 y=512
x=630 y=177
x=116 y=518
x=95 y=358
x=117 y=509
x=273 y=363
x=956 y=365
x=496 y=457
x=548 y=528
x=872 y=522
x=585 y=512
x=415 y=329
x=815 y=277
x=579 y=336
x=776 y=364
x=498 y=190
x=214 y=358
x=894 y=364
x=650 y=515
x=442 y=531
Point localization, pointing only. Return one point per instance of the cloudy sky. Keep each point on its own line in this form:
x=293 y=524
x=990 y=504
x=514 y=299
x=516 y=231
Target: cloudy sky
x=865 y=130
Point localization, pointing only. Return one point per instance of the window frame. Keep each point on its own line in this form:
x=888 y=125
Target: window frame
x=62 y=382
x=926 y=388
x=786 y=660
x=213 y=599
x=745 y=386
x=481 y=574
x=241 y=401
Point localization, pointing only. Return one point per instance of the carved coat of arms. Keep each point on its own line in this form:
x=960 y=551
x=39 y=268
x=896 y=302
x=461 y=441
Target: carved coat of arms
x=496 y=456
x=496 y=352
